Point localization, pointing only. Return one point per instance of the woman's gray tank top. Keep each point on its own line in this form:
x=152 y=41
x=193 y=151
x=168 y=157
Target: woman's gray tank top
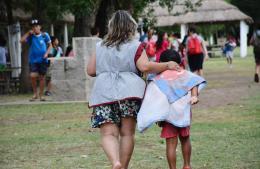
x=116 y=74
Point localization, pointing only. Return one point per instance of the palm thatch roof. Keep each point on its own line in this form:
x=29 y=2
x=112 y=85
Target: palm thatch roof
x=210 y=11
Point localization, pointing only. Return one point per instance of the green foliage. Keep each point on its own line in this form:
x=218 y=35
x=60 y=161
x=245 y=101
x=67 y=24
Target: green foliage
x=251 y=8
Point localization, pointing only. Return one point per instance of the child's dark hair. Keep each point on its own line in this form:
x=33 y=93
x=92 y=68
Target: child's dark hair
x=170 y=55
x=94 y=31
x=192 y=29
x=68 y=50
x=53 y=38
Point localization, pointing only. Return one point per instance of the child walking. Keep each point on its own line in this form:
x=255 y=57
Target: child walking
x=175 y=93
x=170 y=132
x=228 y=49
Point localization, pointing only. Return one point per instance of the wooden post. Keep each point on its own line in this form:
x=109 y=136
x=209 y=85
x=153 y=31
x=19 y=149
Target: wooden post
x=52 y=30
x=66 y=43
x=183 y=31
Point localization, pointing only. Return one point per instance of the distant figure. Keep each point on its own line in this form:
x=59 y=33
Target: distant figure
x=196 y=51
x=56 y=50
x=94 y=32
x=144 y=35
x=3 y=52
x=161 y=44
x=69 y=52
x=255 y=41
x=228 y=49
x=150 y=45
x=174 y=42
x=40 y=46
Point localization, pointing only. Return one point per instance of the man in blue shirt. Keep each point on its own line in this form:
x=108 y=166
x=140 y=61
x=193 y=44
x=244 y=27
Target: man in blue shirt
x=40 y=46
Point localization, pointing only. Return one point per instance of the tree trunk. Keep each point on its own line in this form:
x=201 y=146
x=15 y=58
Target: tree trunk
x=8 y=4
x=82 y=25
x=25 y=81
x=105 y=11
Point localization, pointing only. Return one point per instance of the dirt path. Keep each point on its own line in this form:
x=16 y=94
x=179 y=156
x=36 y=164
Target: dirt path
x=228 y=89
x=225 y=87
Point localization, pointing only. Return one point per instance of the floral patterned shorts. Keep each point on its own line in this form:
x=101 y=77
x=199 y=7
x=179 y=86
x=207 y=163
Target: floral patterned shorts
x=112 y=113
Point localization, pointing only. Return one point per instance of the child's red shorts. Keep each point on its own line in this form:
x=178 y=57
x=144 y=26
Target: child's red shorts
x=171 y=131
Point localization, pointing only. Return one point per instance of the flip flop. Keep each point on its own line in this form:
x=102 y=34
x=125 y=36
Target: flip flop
x=42 y=99
x=33 y=98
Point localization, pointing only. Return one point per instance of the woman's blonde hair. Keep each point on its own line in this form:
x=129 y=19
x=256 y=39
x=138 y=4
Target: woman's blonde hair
x=121 y=29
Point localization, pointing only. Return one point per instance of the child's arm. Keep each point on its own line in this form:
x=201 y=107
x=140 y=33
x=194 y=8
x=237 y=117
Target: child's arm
x=25 y=36
x=194 y=95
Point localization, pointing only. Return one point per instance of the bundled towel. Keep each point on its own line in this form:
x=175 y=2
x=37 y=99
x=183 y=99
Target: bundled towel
x=167 y=98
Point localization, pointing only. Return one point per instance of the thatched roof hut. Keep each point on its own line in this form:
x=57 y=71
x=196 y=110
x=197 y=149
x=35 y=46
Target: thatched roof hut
x=217 y=11
x=209 y=11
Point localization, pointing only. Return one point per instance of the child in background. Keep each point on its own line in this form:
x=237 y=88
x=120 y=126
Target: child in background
x=174 y=92
x=228 y=49
x=40 y=46
x=56 y=50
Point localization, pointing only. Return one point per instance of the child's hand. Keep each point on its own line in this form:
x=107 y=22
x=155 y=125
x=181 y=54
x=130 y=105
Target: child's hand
x=173 y=66
x=30 y=32
x=160 y=123
x=194 y=100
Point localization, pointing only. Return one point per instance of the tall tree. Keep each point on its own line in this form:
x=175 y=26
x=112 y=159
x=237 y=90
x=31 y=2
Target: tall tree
x=251 y=8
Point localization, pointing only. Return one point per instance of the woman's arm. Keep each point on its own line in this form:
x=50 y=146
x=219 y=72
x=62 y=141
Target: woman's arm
x=145 y=66
x=205 y=51
x=91 y=67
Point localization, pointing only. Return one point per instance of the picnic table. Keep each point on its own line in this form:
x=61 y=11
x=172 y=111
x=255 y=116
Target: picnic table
x=214 y=51
x=9 y=84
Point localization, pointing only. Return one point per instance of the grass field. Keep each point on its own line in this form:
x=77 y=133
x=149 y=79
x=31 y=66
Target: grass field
x=225 y=135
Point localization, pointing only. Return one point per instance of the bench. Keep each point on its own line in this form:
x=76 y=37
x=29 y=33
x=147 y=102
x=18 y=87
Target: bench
x=214 y=51
x=8 y=84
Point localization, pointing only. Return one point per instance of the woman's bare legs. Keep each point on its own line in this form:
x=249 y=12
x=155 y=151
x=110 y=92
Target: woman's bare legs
x=127 y=140
x=171 y=145
x=186 y=150
x=110 y=143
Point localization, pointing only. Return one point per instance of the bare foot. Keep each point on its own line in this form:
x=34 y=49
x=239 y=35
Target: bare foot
x=117 y=165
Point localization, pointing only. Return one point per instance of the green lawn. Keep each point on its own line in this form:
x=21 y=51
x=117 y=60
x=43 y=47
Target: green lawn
x=58 y=136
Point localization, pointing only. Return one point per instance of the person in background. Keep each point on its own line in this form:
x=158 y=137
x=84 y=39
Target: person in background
x=161 y=44
x=144 y=36
x=196 y=51
x=255 y=41
x=94 y=32
x=56 y=50
x=3 y=52
x=174 y=42
x=40 y=46
x=228 y=49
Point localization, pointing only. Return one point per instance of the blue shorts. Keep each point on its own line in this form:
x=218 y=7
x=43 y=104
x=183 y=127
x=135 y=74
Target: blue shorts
x=40 y=68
